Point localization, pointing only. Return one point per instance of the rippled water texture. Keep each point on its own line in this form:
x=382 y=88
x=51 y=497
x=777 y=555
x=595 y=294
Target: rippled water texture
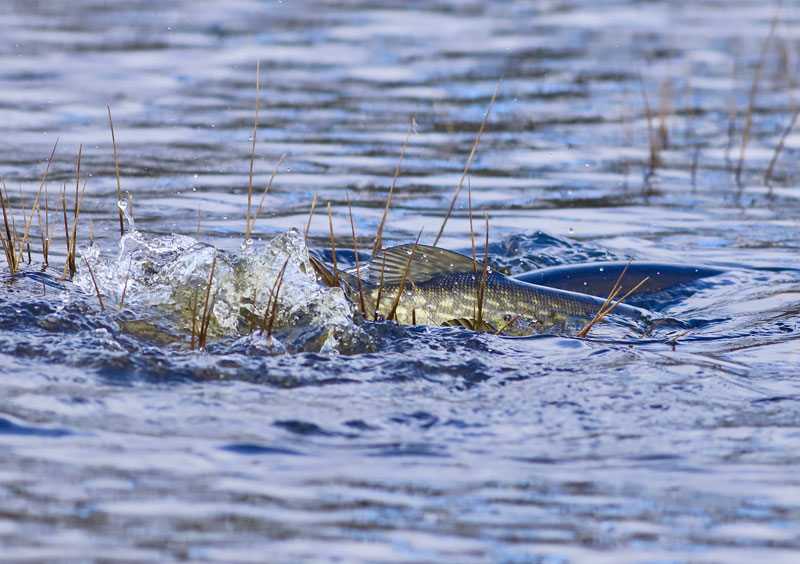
x=342 y=440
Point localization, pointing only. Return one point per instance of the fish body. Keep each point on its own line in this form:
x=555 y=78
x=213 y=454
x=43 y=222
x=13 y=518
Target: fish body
x=432 y=286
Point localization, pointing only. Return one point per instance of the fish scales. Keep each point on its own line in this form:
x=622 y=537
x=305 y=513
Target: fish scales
x=439 y=286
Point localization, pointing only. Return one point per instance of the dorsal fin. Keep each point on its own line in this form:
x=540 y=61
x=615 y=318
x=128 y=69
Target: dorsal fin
x=428 y=262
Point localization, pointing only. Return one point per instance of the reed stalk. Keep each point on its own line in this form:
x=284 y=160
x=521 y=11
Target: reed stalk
x=310 y=216
x=358 y=266
x=787 y=130
x=24 y=219
x=402 y=287
x=469 y=162
x=116 y=166
x=94 y=281
x=249 y=230
x=252 y=153
x=380 y=290
x=611 y=295
x=485 y=272
x=378 y=245
x=203 y=323
x=194 y=317
x=753 y=90
x=333 y=248
x=273 y=297
x=654 y=160
x=125 y=288
x=275 y=301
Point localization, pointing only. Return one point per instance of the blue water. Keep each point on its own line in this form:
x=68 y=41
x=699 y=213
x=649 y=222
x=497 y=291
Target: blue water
x=343 y=440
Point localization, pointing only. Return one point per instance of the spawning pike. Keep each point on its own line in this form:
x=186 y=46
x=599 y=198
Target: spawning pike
x=439 y=288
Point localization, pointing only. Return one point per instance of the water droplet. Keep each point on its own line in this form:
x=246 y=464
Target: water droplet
x=571 y=230
x=587 y=164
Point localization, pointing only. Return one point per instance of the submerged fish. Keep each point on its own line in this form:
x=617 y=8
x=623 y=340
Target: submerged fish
x=433 y=286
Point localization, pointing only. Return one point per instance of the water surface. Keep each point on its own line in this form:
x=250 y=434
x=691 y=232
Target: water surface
x=388 y=443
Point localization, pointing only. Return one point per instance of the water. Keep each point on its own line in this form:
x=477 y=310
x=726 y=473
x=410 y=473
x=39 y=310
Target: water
x=338 y=440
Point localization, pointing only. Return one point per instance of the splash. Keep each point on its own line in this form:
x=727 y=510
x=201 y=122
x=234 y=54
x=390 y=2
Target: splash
x=171 y=274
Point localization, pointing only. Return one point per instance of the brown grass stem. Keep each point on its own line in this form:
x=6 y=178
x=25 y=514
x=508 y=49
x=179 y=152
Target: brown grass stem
x=9 y=260
x=379 y=236
x=203 y=323
x=380 y=290
x=275 y=300
x=94 y=281
x=310 y=216
x=654 y=160
x=358 y=266
x=207 y=321
x=25 y=219
x=402 y=286
x=273 y=297
x=194 y=318
x=116 y=166
x=472 y=239
x=253 y=152
x=197 y=235
x=125 y=288
x=787 y=130
x=42 y=228
x=482 y=293
x=605 y=311
x=36 y=201
x=263 y=196
x=753 y=90
x=333 y=248
x=469 y=162
x=74 y=238
x=78 y=181
x=66 y=229
x=9 y=249
x=611 y=295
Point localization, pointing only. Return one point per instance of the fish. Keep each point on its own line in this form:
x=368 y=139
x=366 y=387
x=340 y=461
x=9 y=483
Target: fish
x=425 y=285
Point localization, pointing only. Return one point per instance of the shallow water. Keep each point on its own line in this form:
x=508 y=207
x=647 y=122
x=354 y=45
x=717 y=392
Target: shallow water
x=350 y=441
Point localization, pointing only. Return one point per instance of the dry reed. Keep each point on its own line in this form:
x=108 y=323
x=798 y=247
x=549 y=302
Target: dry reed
x=402 y=287
x=753 y=90
x=379 y=236
x=116 y=166
x=469 y=162
x=358 y=266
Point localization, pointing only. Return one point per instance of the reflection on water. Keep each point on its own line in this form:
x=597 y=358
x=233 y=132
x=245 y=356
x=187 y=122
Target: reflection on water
x=417 y=444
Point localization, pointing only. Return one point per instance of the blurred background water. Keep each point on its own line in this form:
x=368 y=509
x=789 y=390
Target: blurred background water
x=413 y=444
